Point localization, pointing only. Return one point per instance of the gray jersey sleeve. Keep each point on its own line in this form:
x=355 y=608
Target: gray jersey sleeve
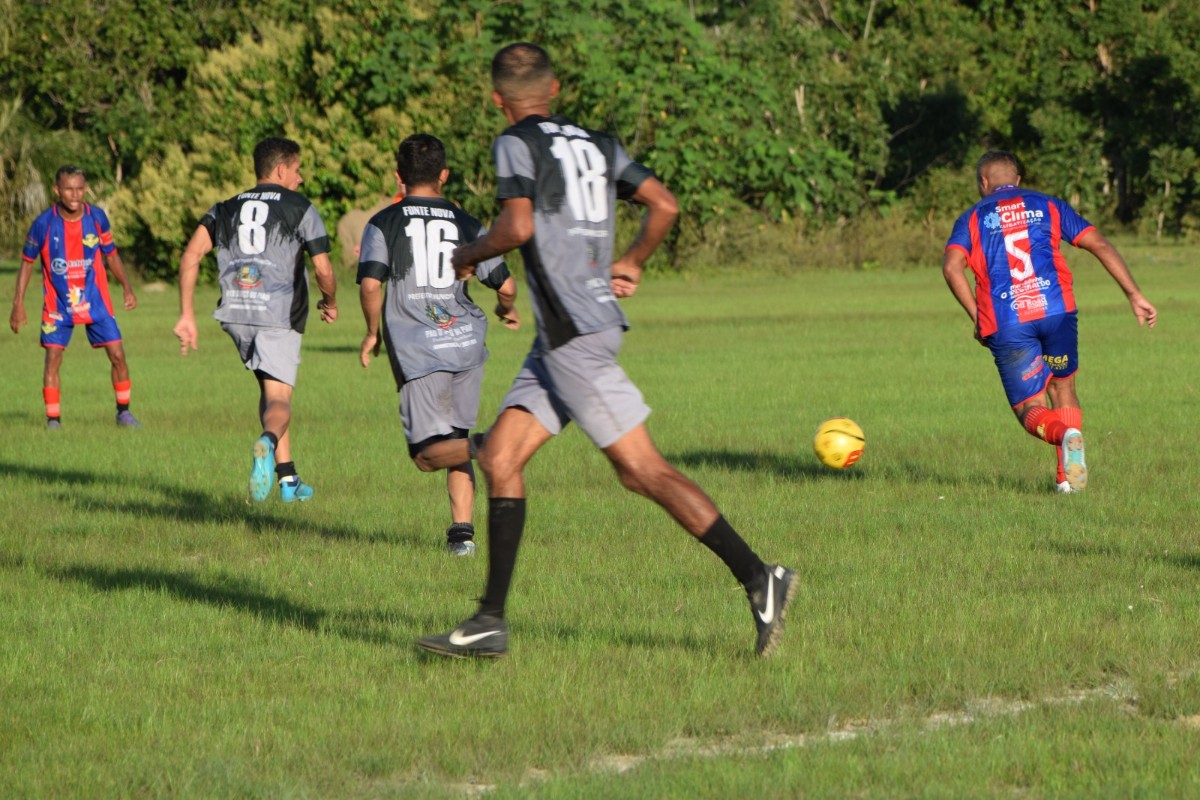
x=312 y=233
x=493 y=272
x=516 y=175
x=630 y=174
x=373 y=256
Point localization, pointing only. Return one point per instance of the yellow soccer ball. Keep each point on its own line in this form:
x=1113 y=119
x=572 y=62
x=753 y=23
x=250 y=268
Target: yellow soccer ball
x=839 y=442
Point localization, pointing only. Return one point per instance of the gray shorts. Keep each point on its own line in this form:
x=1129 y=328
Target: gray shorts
x=272 y=351
x=435 y=404
x=580 y=381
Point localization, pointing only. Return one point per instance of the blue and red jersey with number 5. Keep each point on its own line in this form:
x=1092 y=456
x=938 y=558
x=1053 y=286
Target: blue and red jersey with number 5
x=1012 y=240
x=74 y=280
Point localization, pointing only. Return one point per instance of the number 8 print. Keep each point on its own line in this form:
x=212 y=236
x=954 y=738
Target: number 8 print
x=252 y=232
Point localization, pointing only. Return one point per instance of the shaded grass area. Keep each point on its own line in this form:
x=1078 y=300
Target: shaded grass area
x=164 y=638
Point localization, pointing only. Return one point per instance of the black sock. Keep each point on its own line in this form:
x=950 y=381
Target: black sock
x=122 y=407
x=733 y=550
x=286 y=469
x=272 y=437
x=506 y=522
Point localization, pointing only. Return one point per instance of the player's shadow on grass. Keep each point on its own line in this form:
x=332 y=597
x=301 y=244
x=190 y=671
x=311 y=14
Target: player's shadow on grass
x=915 y=471
x=183 y=505
x=1181 y=560
x=333 y=348
x=789 y=467
x=375 y=627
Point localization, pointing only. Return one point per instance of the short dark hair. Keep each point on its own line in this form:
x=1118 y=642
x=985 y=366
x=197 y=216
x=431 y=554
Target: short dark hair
x=520 y=65
x=271 y=152
x=420 y=159
x=69 y=169
x=997 y=157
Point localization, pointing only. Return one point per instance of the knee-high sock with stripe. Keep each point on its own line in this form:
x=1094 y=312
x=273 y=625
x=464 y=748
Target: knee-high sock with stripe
x=50 y=398
x=1045 y=424
x=122 y=389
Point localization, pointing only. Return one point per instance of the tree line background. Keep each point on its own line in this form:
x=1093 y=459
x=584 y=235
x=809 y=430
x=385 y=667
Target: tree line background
x=792 y=131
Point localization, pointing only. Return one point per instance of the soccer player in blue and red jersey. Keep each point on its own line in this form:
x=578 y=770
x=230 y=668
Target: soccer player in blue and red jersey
x=1023 y=306
x=74 y=243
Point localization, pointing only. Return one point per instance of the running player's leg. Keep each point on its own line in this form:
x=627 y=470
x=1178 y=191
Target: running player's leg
x=273 y=354
x=1061 y=345
x=275 y=414
x=609 y=408
x=643 y=470
x=437 y=411
x=1017 y=352
x=509 y=446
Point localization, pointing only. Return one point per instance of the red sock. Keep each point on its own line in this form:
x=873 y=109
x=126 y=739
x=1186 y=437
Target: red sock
x=1044 y=424
x=1072 y=418
x=122 y=391
x=50 y=398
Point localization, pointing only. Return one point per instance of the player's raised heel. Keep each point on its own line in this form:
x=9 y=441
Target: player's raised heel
x=294 y=489
x=769 y=601
x=460 y=539
x=261 y=474
x=482 y=636
x=1073 y=464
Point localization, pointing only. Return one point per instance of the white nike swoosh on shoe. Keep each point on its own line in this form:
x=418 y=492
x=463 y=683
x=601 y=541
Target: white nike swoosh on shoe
x=461 y=640
x=768 y=616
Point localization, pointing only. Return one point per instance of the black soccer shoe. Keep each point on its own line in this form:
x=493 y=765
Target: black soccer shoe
x=770 y=597
x=482 y=636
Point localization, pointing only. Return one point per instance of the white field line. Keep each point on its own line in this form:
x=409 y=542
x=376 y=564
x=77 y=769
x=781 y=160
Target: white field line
x=1119 y=692
x=985 y=708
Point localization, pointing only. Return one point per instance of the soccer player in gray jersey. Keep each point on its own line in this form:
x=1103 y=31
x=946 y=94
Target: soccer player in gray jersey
x=435 y=333
x=558 y=185
x=260 y=237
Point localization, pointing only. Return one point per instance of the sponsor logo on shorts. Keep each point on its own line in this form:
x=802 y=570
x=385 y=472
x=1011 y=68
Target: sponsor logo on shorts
x=1033 y=370
x=1058 y=363
x=49 y=328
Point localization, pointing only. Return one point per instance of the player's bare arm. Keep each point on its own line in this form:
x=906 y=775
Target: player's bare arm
x=506 y=312
x=327 y=283
x=513 y=228
x=661 y=212
x=189 y=270
x=954 y=270
x=117 y=267
x=1095 y=243
x=370 y=296
x=17 y=318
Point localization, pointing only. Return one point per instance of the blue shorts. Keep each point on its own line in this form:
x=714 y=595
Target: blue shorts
x=1030 y=354
x=99 y=333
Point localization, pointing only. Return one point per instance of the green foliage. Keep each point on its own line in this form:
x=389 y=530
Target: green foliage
x=794 y=111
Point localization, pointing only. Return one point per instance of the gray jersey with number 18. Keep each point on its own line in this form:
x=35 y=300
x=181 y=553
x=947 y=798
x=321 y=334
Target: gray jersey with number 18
x=574 y=177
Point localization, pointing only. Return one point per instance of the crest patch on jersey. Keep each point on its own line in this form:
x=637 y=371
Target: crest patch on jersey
x=439 y=315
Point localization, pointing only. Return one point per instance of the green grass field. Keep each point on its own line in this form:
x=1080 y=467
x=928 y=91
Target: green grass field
x=961 y=630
